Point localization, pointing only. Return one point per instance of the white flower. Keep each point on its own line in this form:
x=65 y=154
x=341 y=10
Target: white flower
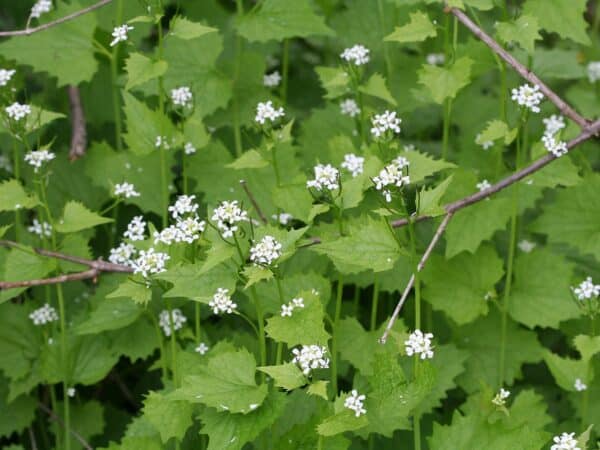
x=357 y=55
x=120 y=34
x=483 y=185
x=435 y=59
x=500 y=398
x=40 y=7
x=310 y=357
x=529 y=97
x=266 y=111
x=222 y=303
x=557 y=148
x=586 y=289
x=593 y=71
x=136 y=229
x=189 y=148
x=167 y=235
x=37 y=158
x=182 y=96
x=162 y=142
x=353 y=164
x=123 y=254
x=565 y=441
x=201 y=348
x=419 y=344
x=190 y=229
x=286 y=310
x=298 y=302
x=355 y=402
x=382 y=123
x=71 y=392
x=526 y=246
x=176 y=317
x=267 y=250
x=5 y=76
x=272 y=79
x=227 y=215
x=185 y=204
x=283 y=218
x=326 y=177
x=392 y=175
x=44 y=315
x=41 y=229
x=349 y=107
x=580 y=385
x=127 y=190
x=150 y=262
x=553 y=124
x=485 y=144
x=5 y=163
x=17 y=111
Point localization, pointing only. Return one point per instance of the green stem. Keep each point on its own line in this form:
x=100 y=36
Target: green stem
x=334 y=343
x=114 y=73
x=285 y=68
x=53 y=402
x=386 y=50
x=173 y=340
x=415 y=262
x=276 y=166
x=64 y=363
x=197 y=322
x=17 y=169
x=262 y=341
x=446 y=125
x=237 y=132
x=279 y=353
x=320 y=443
x=159 y=336
x=374 y=304
x=590 y=373
x=164 y=188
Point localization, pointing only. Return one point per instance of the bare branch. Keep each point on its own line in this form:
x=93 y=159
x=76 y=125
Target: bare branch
x=85 y=275
x=254 y=202
x=78 y=130
x=411 y=281
x=27 y=31
x=57 y=419
x=563 y=106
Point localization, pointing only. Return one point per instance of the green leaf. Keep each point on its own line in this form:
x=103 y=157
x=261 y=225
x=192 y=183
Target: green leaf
x=566 y=370
x=87 y=418
x=14 y=197
x=186 y=29
x=226 y=383
x=280 y=19
x=318 y=388
x=418 y=29
x=250 y=159
x=423 y=165
x=110 y=315
x=429 y=199
x=334 y=80
x=358 y=346
x=588 y=346
x=20 y=342
x=138 y=292
x=287 y=375
x=496 y=129
x=191 y=281
x=564 y=17
x=77 y=217
x=375 y=87
x=141 y=69
x=255 y=274
x=170 y=418
x=16 y=415
x=442 y=82
x=341 y=422
x=24 y=264
x=524 y=31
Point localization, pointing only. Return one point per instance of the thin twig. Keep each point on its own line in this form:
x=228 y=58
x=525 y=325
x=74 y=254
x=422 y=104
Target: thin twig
x=263 y=218
x=411 y=281
x=78 y=130
x=28 y=31
x=32 y=439
x=57 y=419
x=85 y=275
x=124 y=389
x=563 y=106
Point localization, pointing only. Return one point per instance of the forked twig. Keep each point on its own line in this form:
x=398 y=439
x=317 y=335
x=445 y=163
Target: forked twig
x=58 y=420
x=262 y=216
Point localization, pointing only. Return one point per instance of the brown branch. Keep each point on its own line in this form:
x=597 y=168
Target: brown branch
x=78 y=130
x=411 y=281
x=57 y=419
x=563 y=106
x=27 y=31
x=32 y=439
x=85 y=275
x=254 y=202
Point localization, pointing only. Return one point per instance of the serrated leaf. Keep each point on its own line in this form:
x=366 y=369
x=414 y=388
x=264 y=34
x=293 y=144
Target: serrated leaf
x=141 y=69
x=13 y=196
x=334 y=80
x=250 y=159
x=170 y=418
x=588 y=346
x=190 y=281
x=565 y=17
x=423 y=165
x=16 y=415
x=524 y=31
x=318 y=388
x=418 y=29
x=429 y=199
x=497 y=129
x=255 y=274
x=24 y=264
x=110 y=315
x=376 y=87
x=77 y=217
x=287 y=376
x=341 y=422
x=186 y=29
x=566 y=370
x=442 y=82
x=137 y=292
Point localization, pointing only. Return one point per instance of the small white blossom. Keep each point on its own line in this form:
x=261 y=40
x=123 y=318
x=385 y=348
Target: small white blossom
x=37 y=158
x=353 y=164
x=185 y=204
x=286 y=310
x=272 y=80
x=222 y=303
x=44 y=315
x=557 y=148
x=123 y=254
x=167 y=235
x=310 y=357
x=136 y=229
x=5 y=163
x=382 y=123
x=566 y=441
x=40 y=7
x=265 y=111
x=298 y=302
x=500 y=398
x=553 y=124
x=119 y=34
x=190 y=229
x=392 y=175
x=593 y=71
x=5 y=76
x=529 y=97
x=357 y=55
x=435 y=59
x=419 y=343
x=176 y=317
x=182 y=96
x=227 y=215
x=526 y=246
x=326 y=177
x=189 y=148
x=17 y=111
x=201 y=348
x=349 y=107
x=283 y=218
x=485 y=144
x=150 y=262
x=127 y=190
x=71 y=392
x=355 y=402
x=40 y=228
x=483 y=185
x=162 y=142
x=586 y=289
x=266 y=251
x=580 y=385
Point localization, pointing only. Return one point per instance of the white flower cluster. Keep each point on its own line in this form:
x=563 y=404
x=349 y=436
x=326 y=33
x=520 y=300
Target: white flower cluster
x=265 y=111
x=43 y=315
x=119 y=34
x=162 y=142
x=165 y=319
x=286 y=310
x=41 y=229
x=222 y=303
x=17 y=111
x=500 y=398
x=310 y=357
x=201 y=348
x=435 y=59
x=526 y=246
x=272 y=79
x=566 y=441
x=185 y=230
x=150 y=262
x=586 y=289
x=553 y=124
x=126 y=190
x=227 y=215
x=5 y=76
x=392 y=175
x=267 y=250
x=485 y=144
x=185 y=204
x=136 y=229
x=189 y=148
x=357 y=55
x=123 y=254
x=283 y=218
x=353 y=164
x=355 y=402
x=382 y=123
x=326 y=177
x=349 y=107
x=529 y=97
x=483 y=185
x=593 y=71
x=182 y=96
x=554 y=146
x=419 y=343
x=40 y=7
x=37 y=158
x=580 y=385
x=71 y=392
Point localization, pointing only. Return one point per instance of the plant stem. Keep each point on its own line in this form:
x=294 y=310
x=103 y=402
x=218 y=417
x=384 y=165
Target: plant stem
x=262 y=341
x=285 y=68
x=114 y=73
x=161 y=347
x=173 y=345
x=64 y=363
x=446 y=125
x=585 y=401
x=334 y=343
x=374 y=304
x=386 y=50
x=17 y=173
x=276 y=166
x=415 y=262
x=197 y=321
x=237 y=132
